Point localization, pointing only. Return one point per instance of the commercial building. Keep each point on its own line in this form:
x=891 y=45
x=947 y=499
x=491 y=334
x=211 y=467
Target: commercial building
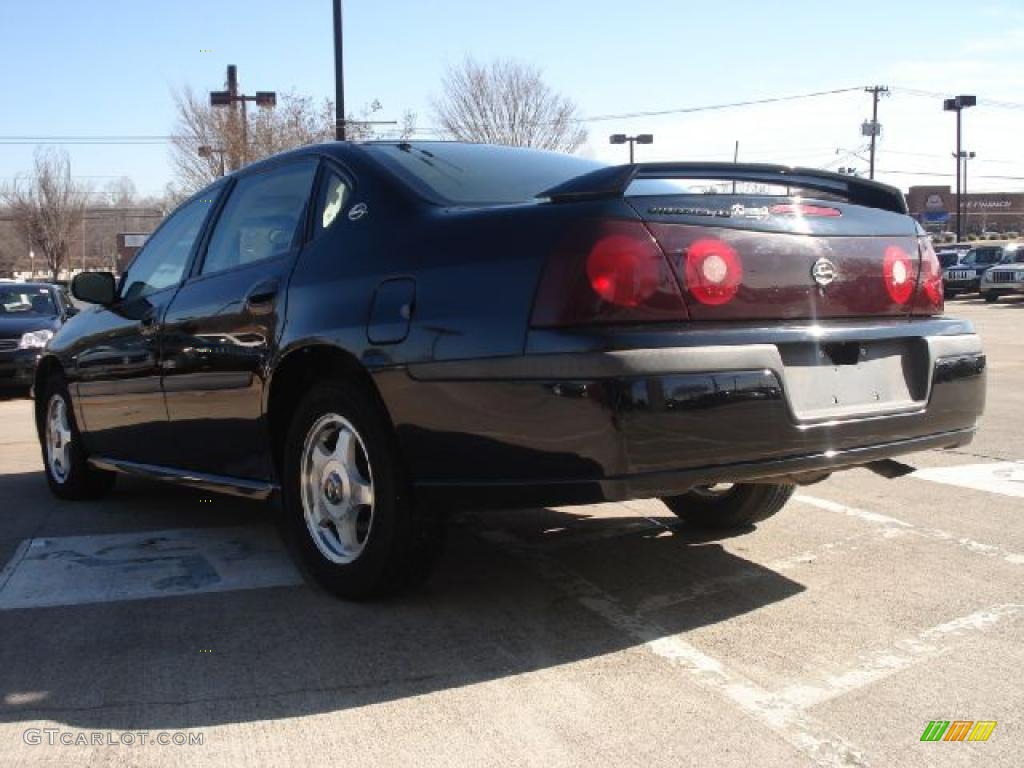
x=935 y=208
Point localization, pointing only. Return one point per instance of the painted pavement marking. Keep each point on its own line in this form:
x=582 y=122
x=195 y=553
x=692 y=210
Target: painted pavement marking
x=71 y=570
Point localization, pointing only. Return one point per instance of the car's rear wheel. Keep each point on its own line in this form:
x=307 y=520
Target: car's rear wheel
x=68 y=472
x=348 y=509
x=990 y=297
x=726 y=506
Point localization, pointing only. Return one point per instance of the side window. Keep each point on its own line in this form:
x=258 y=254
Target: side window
x=331 y=200
x=261 y=217
x=161 y=262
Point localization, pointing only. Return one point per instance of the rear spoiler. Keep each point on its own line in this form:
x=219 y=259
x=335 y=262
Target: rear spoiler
x=615 y=180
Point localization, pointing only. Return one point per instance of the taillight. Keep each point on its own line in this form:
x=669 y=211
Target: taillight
x=607 y=271
x=713 y=271
x=930 y=298
x=898 y=274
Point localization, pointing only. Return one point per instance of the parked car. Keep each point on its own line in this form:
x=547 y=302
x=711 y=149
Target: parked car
x=1005 y=278
x=378 y=333
x=965 y=277
x=30 y=313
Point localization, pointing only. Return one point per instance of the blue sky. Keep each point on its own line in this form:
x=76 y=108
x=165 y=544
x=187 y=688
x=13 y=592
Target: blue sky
x=105 y=67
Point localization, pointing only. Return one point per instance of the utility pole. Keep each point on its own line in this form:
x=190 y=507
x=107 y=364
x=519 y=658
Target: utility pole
x=339 y=76
x=872 y=128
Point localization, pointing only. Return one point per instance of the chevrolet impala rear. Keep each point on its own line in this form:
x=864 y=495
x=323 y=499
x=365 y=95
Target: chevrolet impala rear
x=695 y=327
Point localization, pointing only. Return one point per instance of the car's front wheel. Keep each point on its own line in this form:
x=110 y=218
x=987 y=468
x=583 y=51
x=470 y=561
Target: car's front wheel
x=68 y=472
x=990 y=296
x=726 y=506
x=348 y=509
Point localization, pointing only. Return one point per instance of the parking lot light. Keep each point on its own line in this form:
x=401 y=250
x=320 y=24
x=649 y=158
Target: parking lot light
x=621 y=138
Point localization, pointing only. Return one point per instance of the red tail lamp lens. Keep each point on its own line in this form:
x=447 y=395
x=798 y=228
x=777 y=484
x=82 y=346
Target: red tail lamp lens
x=607 y=271
x=931 y=291
x=713 y=271
x=624 y=270
x=898 y=272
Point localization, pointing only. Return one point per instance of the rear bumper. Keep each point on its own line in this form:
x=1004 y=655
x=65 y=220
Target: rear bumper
x=637 y=420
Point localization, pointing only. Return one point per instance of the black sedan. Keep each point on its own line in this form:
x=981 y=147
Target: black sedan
x=377 y=333
x=30 y=313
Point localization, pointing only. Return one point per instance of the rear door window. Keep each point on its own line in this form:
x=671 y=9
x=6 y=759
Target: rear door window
x=262 y=217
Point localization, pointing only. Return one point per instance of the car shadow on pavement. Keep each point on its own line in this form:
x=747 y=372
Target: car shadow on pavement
x=505 y=602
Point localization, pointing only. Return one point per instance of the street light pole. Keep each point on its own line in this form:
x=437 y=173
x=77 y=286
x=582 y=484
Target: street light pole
x=964 y=157
x=958 y=105
x=231 y=97
x=621 y=138
x=339 y=76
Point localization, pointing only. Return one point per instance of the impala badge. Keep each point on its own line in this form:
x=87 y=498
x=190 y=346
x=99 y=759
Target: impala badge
x=823 y=272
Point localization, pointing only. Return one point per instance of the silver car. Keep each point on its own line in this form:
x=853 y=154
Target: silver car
x=1006 y=277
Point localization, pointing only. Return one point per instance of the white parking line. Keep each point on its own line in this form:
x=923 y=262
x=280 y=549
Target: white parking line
x=71 y=570
x=929 y=644
x=892 y=526
x=773 y=711
x=1004 y=477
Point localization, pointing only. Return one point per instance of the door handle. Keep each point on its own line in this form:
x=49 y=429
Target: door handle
x=261 y=297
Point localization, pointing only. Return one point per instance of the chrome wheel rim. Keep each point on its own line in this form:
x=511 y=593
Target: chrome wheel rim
x=337 y=489
x=58 y=439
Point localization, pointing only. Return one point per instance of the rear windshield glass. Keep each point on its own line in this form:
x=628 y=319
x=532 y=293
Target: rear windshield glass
x=479 y=173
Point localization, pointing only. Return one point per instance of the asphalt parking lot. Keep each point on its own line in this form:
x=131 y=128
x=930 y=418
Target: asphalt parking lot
x=603 y=635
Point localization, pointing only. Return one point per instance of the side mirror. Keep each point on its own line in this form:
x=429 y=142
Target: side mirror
x=94 y=288
x=70 y=310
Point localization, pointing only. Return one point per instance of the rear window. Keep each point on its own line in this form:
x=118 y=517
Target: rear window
x=471 y=174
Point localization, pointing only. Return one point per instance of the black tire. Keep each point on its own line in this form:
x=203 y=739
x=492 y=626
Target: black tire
x=739 y=507
x=949 y=294
x=990 y=297
x=402 y=542
x=79 y=480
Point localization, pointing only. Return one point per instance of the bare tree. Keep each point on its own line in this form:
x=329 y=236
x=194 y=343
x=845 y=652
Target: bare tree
x=47 y=207
x=296 y=121
x=507 y=102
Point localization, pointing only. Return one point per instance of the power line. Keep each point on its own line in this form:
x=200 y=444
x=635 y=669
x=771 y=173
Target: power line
x=981 y=101
x=949 y=175
x=712 y=107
